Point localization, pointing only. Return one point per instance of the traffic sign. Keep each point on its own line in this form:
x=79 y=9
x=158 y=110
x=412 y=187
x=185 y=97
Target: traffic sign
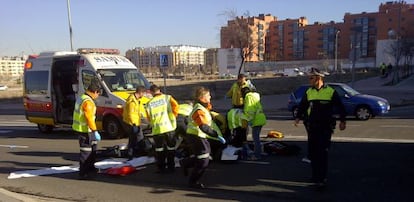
x=164 y=60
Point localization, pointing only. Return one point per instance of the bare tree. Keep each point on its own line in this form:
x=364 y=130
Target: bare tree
x=395 y=52
x=399 y=49
x=238 y=35
x=407 y=51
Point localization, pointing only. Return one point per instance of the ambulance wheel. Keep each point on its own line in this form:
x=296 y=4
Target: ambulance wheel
x=113 y=128
x=45 y=128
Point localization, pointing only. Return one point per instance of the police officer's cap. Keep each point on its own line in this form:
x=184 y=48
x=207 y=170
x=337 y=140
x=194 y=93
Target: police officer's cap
x=316 y=72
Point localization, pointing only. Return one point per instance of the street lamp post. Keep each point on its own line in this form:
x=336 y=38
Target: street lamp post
x=70 y=26
x=336 y=50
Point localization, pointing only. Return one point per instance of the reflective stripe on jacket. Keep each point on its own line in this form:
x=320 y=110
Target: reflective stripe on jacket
x=161 y=115
x=80 y=123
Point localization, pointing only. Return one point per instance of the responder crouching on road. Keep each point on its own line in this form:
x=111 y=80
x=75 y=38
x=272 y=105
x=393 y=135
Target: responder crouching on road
x=84 y=126
x=184 y=111
x=131 y=116
x=199 y=127
x=162 y=111
x=238 y=130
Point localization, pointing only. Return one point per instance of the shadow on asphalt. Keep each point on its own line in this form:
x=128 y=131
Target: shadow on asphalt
x=357 y=172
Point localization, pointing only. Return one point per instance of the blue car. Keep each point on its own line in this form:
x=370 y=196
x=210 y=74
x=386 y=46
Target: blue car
x=362 y=106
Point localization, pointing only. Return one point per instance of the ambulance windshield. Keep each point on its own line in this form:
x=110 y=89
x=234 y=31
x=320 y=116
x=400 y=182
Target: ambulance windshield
x=123 y=79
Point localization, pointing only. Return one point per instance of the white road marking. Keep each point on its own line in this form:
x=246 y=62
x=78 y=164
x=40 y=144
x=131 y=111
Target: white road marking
x=355 y=139
x=13 y=146
x=397 y=126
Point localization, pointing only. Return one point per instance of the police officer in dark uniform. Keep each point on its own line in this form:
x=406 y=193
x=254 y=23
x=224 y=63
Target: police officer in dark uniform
x=317 y=105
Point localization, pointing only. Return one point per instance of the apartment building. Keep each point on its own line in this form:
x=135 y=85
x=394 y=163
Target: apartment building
x=211 y=60
x=357 y=35
x=12 y=66
x=248 y=33
x=179 y=56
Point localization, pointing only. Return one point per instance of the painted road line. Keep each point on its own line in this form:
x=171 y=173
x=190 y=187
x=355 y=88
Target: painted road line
x=355 y=139
x=13 y=146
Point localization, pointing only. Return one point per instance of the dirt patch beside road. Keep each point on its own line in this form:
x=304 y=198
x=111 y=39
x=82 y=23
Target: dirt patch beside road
x=183 y=90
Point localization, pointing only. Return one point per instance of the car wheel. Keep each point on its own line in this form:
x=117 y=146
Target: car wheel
x=45 y=128
x=113 y=128
x=363 y=113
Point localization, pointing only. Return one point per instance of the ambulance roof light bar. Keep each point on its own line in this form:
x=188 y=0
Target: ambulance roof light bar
x=98 y=51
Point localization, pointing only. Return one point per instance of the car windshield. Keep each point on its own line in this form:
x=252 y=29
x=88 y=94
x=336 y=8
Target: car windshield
x=123 y=79
x=350 y=91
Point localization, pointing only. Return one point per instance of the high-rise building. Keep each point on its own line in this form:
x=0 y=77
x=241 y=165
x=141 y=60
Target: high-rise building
x=248 y=33
x=295 y=39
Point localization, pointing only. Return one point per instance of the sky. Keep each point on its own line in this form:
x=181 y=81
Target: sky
x=32 y=26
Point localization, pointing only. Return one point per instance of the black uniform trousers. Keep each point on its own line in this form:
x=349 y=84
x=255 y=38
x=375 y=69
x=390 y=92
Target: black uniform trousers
x=133 y=139
x=87 y=158
x=319 y=141
x=200 y=148
x=165 y=149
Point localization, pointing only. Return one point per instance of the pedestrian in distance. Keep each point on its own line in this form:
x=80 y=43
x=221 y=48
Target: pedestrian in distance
x=200 y=126
x=317 y=105
x=254 y=115
x=235 y=91
x=131 y=116
x=85 y=127
x=383 y=68
x=162 y=111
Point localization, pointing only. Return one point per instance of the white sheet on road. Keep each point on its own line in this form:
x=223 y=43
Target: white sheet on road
x=104 y=164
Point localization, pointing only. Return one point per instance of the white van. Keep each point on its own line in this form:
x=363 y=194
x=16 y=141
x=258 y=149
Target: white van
x=53 y=80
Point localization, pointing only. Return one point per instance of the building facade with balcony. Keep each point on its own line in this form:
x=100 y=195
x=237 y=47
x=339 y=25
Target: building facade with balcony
x=356 y=38
x=179 y=57
x=12 y=66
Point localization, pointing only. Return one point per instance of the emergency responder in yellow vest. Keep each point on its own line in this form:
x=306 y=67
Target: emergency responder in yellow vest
x=84 y=126
x=219 y=124
x=237 y=126
x=184 y=111
x=199 y=128
x=253 y=113
x=131 y=116
x=317 y=106
x=162 y=111
x=235 y=91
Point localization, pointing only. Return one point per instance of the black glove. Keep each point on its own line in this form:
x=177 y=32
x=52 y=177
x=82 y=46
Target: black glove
x=208 y=130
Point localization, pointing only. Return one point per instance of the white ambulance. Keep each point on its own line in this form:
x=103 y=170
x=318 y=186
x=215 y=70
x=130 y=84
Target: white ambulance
x=53 y=80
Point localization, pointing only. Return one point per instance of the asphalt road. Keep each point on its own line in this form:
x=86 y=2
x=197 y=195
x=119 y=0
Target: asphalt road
x=370 y=161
